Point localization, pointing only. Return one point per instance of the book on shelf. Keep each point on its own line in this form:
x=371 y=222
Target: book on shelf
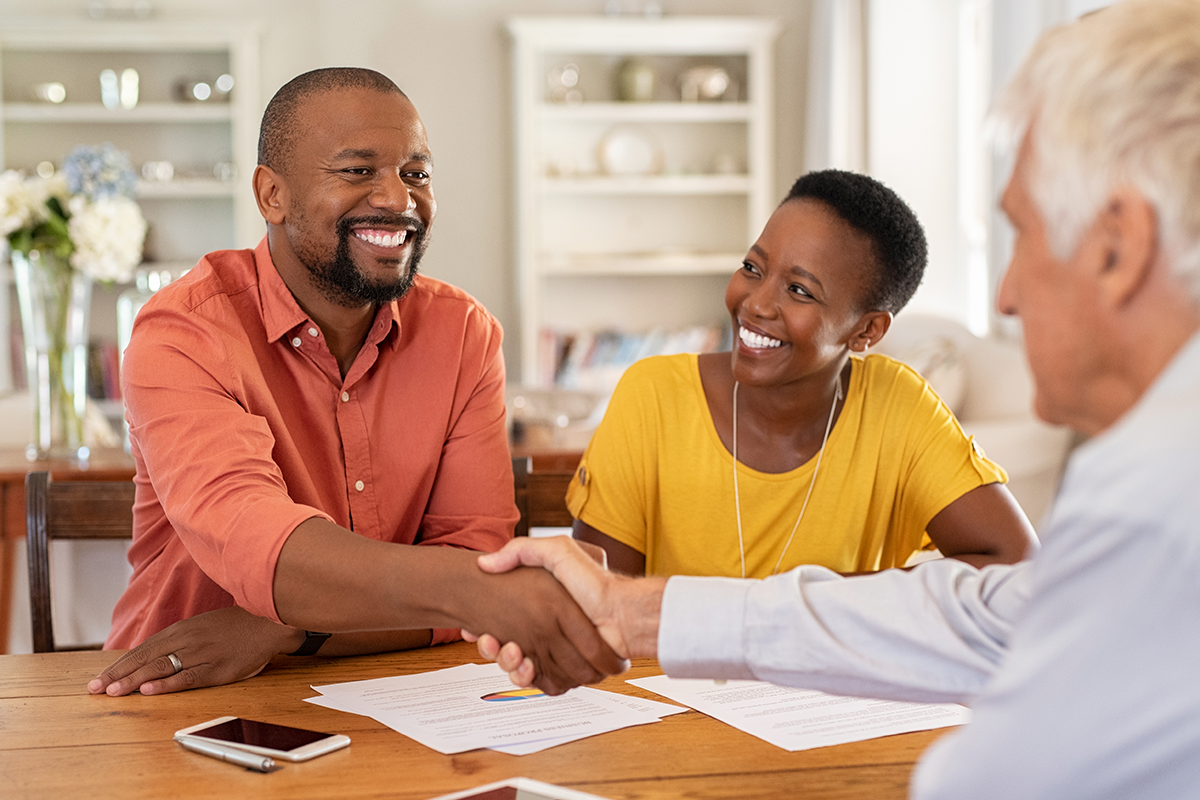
x=595 y=360
x=104 y=370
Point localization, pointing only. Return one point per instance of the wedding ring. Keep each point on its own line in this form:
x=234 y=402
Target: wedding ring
x=175 y=662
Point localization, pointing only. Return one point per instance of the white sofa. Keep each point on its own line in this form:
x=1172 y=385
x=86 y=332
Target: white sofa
x=987 y=384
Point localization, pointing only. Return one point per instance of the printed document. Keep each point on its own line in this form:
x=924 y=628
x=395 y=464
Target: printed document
x=474 y=705
x=801 y=719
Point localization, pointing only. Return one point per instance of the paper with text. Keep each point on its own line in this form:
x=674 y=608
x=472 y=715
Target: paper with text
x=801 y=719
x=474 y=705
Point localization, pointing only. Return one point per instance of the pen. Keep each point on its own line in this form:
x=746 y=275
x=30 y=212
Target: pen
x=230 y=754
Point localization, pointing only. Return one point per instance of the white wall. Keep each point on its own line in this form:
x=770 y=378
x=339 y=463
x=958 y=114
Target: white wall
x=452 y=58
x=912 y=73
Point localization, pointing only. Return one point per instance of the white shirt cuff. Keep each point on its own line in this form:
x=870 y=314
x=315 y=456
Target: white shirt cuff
x=702 y=626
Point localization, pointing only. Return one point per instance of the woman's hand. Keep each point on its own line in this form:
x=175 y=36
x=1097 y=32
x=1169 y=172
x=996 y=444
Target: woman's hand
x=213 y=648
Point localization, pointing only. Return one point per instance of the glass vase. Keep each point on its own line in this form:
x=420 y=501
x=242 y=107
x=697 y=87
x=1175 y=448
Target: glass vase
x=129 y=303
x=55 y=300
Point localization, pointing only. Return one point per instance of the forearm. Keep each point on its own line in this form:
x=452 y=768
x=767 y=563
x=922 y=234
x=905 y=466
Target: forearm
x=367 y=642
x=330 y=579
x=933 y=634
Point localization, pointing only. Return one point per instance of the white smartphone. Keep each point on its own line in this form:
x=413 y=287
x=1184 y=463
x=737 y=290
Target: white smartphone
x=265 y=738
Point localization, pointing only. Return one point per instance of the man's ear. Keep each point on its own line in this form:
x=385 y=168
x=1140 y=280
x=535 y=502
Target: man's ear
x=270 y=193
x=871 y=329
x=1127 y=230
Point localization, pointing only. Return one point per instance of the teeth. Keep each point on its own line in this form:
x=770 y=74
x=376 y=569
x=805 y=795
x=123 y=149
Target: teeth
x=752 y=339
x=383 y=239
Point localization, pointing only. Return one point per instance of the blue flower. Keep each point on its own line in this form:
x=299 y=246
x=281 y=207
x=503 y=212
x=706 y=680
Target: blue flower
x=99 y=171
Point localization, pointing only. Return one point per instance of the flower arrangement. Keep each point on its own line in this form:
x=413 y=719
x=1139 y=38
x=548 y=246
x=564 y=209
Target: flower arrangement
x=84 y=214
x=78 y=225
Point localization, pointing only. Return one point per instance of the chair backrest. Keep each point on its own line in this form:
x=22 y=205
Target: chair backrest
x=540 y=485
x=67 y=510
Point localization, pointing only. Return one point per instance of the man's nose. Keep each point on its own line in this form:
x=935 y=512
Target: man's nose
x=1005 y=296
x=391 y=192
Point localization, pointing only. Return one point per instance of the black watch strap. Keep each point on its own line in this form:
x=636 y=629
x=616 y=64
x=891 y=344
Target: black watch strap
x=312 y=643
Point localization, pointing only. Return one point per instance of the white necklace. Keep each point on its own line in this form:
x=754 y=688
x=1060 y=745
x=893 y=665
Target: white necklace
x=737 y=501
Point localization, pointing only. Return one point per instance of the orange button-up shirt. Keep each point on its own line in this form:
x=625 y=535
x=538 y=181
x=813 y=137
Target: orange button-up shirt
x=242 y=428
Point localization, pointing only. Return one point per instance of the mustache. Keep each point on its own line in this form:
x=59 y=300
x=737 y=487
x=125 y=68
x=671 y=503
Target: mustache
x=412 y=221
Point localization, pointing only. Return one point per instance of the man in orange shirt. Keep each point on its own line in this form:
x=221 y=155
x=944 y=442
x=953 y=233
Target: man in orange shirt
x=307 y=418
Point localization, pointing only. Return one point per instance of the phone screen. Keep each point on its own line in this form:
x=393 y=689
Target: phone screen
x=261 y=734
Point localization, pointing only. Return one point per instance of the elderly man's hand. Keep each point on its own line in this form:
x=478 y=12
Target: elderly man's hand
x=624 y=610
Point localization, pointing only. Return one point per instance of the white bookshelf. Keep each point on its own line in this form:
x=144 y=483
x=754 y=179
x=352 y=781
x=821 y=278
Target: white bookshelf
x=651 y=249
x=203 y=207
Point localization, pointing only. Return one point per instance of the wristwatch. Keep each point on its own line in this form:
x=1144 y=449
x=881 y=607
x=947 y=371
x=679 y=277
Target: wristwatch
x=312 y=643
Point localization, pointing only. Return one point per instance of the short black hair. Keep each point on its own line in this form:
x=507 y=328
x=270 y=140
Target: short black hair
x=280 y=124
x=895 y=233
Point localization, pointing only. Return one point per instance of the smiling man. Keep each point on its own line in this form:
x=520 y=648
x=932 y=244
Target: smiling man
x=319 y=431
x=1080 y=664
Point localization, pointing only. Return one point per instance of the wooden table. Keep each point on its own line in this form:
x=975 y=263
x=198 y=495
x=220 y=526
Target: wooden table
x=104 y=465
x=57 y=741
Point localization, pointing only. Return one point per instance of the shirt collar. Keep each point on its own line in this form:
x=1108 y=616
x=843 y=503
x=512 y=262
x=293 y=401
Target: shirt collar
x=281 y=313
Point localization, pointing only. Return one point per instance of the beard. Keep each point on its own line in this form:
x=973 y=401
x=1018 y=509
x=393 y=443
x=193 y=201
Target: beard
x=341 y=280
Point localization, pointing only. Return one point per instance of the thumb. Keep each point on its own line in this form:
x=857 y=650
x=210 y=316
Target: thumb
x=506 y=558
x=527 y=552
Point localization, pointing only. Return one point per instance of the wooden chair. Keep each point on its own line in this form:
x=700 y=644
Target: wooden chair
x=540 y=483
x=67 y=510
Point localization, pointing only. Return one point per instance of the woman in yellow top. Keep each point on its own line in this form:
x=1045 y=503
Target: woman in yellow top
x=794 y=448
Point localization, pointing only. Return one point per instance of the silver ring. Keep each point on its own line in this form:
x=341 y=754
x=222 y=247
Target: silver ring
x=175 y=662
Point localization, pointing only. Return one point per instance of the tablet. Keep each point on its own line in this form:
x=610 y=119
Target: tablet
x=519 y=789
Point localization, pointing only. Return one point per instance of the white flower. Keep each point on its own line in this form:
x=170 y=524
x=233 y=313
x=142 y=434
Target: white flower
x=43 y=189
x=108 y=235
x=18 y=202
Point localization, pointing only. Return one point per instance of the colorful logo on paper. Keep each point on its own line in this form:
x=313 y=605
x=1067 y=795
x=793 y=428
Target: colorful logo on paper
x=512 y=694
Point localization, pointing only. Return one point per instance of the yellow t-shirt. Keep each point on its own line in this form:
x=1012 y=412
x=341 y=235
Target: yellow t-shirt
x=656 y=476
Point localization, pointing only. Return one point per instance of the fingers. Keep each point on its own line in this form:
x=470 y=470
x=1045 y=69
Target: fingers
x=144 y=663
x=489 y=647
x=210 y=649
x=523 y=675
x=510 y=657
x=523 y=551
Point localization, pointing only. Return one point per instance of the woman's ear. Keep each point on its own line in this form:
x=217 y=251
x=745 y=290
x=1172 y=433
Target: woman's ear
x=270 y=193
x=870 y=329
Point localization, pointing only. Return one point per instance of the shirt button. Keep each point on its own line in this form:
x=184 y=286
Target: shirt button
x=358 y=485
x=296 y=341
x=345 y=397
x=312 y=331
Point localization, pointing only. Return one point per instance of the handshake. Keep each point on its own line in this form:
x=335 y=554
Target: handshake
x=623 y=610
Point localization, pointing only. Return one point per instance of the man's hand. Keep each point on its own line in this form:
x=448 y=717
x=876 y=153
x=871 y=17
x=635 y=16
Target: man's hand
x=624 y=610
x=330 y=579
x=215 y=648
x=530 y=609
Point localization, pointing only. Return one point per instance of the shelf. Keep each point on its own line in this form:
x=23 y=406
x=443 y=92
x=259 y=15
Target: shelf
x=565 y=265
x=647 y=112
x=681 y=227
x=649 y=184
x=96 y=112
x=185 y=188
